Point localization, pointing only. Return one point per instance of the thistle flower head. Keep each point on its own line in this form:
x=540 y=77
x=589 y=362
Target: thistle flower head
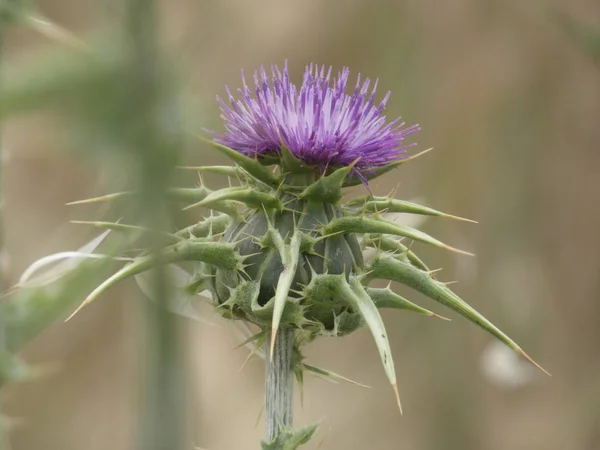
x=282 y=249
x=320 y=123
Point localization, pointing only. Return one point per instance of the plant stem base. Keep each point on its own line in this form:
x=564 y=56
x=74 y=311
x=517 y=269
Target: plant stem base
x=279 y=385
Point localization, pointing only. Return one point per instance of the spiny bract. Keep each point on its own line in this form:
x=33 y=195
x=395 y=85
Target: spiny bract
x=280 y=249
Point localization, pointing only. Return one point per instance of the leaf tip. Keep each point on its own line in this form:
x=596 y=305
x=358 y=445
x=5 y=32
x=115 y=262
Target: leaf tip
x=456 y=250
x=397 y=395
x=530 y=359
x=437 y=316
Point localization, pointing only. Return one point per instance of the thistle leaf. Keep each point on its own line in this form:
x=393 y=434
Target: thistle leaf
x=250 y=197
x=190 y=194
x=354 y=293
x=252 y=166
x=219 y=254
x=290 y=163
x=329 y=188
x=230 y=171
x=66 y=262
x=290 y=255
x=103 y=198
x=378 y=171
x=380 y=204
x=26 y=312
x=386 y=298
x=208 y=227
x=388 y=244
x=116 y=226
x=183 y=194
x=392 y=269
x=363 y=225
x=290 y=440
x=331 y=376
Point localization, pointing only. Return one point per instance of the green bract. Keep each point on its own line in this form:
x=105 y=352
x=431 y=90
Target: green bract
x=284 y=252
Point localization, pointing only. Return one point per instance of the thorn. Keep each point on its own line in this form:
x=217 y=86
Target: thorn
x=259 y=416
x=448 y=283
x=410 y=158
x=395 y=387
x=248 y=358
x=102 y=198
x=431 y=272
x=193 y=205
x=456 y=250
x=461 y=219
x=528 y=358
x=79 y=308
x=437 y=316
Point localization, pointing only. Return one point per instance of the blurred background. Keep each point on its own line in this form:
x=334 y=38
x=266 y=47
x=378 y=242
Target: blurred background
x=508 y=94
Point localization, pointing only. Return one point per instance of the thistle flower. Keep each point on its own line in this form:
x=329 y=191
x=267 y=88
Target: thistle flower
x=281 y=250
x=319 y=123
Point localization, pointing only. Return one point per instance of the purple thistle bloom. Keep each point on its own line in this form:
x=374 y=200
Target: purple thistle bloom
x=319 y=123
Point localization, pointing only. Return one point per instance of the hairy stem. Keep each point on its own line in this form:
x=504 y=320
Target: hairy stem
x=279 y=384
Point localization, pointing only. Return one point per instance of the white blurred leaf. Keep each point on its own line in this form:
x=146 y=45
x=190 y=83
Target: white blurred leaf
x=53 y=267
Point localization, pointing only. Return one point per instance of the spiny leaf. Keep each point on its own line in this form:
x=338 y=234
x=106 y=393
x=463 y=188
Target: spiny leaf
x=26 y=312
x=380 y=204
x=329 y=188
x=386 y=298
x=250 y=197
x=230 y=171
x=364 y=225
x=208 y=227
x=290 y=256
x=392 y=269
x=68 y=262
x=116 y=226
x=103 y=198
x=332 y=376
x=290 y=440
x=354 y=293
x=183 y=194
x=252 y=166
x=219 y=254
x=189 y=194
x=378 y=171
x=292 y=164
x=388 y=244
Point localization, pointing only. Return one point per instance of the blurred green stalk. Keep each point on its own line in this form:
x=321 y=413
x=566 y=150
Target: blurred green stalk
x=162 y=413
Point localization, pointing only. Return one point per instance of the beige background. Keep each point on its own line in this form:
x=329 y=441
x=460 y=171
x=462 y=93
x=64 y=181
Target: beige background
x=511 y=105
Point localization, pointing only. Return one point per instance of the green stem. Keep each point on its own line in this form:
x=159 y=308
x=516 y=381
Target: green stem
x=162 y=414
x=279 y=386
